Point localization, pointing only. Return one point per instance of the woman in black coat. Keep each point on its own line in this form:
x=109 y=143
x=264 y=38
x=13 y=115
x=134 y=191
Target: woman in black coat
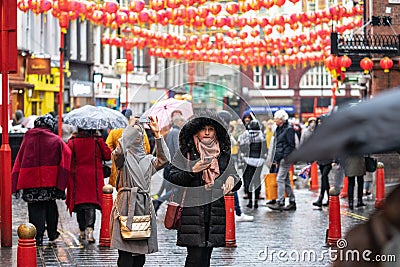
x=205 y=183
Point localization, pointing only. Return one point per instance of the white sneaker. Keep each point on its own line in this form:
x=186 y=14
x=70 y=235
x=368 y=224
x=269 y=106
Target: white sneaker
x=244 y=218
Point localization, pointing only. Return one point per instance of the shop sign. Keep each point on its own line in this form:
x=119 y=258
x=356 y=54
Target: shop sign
x=39 y=66
x=82 y=88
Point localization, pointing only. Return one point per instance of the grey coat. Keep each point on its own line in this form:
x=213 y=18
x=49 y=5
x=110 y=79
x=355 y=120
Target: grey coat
x=354 y=166
x=148 y=165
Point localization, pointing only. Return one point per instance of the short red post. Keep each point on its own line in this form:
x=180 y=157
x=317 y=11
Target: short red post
x=26 y=252
x=230 y=237
x=345 y=188
x=335 y=228
x=314 y=176
x=105 y=216
x=380 y=186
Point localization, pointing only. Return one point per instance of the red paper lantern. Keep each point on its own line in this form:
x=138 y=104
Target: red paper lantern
x=45 y=5
x=232 y=8
x=345 y=62
x=136 y=5
x=366 y=64
x=111 y=6
x=386 y=63
x=23 y=5
x=63 y=21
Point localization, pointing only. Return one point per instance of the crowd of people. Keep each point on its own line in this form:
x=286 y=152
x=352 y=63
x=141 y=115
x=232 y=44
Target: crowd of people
x=202 y=158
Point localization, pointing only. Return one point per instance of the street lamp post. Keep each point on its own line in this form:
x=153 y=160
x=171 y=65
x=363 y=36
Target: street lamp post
x=9 y=54
x=60 y=94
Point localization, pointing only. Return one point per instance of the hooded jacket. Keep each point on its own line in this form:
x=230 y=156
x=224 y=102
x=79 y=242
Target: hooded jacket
x=203 y=215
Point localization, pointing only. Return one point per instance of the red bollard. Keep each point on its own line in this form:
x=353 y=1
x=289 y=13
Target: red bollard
x=105 y=216
x=345 y=188
x=230 y=236
x=26 y=252
x=335 y=228
x=314 y=176
x=380 y=186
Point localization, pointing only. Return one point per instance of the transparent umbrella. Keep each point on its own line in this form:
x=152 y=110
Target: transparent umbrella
x=91 y=117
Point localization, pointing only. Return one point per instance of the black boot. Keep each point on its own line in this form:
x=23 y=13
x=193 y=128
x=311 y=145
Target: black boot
x=318 y=203
x=256 y=204
x=351 y=205
x=250 y=204
x=360 y=187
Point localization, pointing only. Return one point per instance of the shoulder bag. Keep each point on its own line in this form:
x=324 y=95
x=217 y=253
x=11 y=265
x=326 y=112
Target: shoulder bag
x=370 y=164
x=134 y=227
x=172 y=220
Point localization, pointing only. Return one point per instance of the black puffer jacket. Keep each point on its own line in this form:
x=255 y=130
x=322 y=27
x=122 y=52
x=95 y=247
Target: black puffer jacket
x=203 y=215
x=285 y=144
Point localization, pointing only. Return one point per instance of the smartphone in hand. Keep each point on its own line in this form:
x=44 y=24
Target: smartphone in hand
x=208 y=160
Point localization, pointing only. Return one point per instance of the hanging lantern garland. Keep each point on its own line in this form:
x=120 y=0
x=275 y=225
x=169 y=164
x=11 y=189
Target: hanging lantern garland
x=225 y=23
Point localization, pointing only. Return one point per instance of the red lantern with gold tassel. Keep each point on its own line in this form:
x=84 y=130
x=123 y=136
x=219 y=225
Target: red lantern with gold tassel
x=366 y=64
x=386 y=63
x=345 y=62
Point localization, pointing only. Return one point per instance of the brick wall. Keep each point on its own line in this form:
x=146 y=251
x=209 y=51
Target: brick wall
x=391 y=163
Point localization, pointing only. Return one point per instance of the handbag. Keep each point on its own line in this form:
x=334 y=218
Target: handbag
x=106 y=169
x=134 y=227
x=370 y=164
x=172 y=220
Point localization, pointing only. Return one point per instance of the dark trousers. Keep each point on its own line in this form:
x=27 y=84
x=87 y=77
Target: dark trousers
x=198 y=257
x=42 y=213
x=360 y=188
x=126 y=259
x=324 y=169
x=86 y=218
x=251 y=178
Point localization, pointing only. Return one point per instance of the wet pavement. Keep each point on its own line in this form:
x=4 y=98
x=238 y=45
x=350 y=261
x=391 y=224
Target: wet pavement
x=296 y=233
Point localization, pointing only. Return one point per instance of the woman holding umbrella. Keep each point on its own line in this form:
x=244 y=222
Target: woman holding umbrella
x=85 y=187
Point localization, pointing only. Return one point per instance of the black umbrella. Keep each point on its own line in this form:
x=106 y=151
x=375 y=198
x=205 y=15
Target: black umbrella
x=372 y=126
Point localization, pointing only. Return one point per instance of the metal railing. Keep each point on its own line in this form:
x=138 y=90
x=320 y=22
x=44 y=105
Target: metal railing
x=355 y=44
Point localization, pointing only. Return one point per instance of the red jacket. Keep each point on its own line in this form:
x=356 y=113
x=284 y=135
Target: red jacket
x=43 y=161
x=87 y=181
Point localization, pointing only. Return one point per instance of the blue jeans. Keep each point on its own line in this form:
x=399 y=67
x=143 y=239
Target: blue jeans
x=283 y=181
x=238 y=211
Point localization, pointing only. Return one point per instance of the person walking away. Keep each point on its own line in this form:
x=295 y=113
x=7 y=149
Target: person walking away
x=135 y=172
x=284 y=145
x=172 y=142
x=112 y=142
x=253 y=144
x=325 y=166
x=354 y=166
x=203 y=216
x=85 y=187
x=226 y=118
x=42 y=171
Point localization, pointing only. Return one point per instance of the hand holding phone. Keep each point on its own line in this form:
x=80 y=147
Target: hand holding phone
x=208 y=160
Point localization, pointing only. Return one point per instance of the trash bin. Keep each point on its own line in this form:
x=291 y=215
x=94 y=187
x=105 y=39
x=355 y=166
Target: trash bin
x=14 y=140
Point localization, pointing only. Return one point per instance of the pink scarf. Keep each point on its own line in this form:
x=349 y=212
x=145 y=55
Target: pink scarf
x=206 y=150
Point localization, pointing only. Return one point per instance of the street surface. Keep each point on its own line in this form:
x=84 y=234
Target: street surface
x=297 y=236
